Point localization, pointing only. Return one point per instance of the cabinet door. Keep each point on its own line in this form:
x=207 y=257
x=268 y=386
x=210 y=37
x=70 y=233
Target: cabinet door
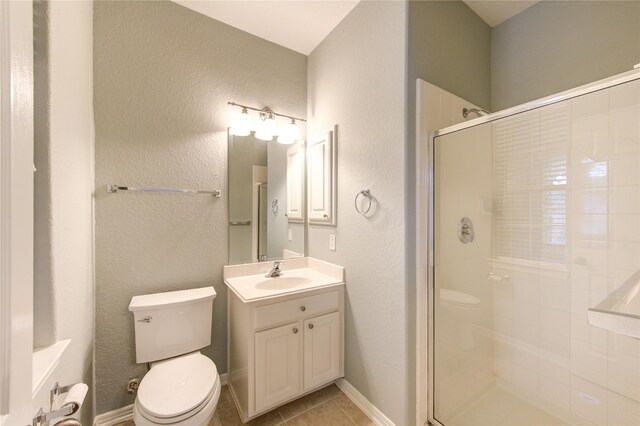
x=321 y=350
x=321 y=179
x=295 y=182
x=277 y=362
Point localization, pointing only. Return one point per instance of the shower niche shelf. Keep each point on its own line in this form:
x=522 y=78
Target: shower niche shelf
x=620 y=312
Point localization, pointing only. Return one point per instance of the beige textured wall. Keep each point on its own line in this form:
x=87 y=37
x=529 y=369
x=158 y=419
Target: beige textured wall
x=357 y=81
x=450 y=46
x=557 y=45
x=163 y=75
x=64 y=138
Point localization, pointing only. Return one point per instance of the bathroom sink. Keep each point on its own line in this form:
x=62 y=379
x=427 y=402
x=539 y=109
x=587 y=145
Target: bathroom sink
x=282 y=283
x=299 y=275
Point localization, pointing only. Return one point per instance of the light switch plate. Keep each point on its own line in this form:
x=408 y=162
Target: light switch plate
x=332 y=242
x=290 y=234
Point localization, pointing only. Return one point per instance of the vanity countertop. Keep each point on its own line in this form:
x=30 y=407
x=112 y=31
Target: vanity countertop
x=298 y=275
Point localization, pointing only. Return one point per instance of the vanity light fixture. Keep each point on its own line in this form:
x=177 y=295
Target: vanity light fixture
x=268 y=127
x=241 y=124
x=290 y=134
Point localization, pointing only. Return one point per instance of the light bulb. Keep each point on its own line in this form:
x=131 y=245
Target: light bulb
x=267 y=129
x=241 y=124
x=290 y=134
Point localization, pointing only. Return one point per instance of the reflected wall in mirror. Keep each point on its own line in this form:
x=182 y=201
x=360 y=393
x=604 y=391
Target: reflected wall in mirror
x=266 y=199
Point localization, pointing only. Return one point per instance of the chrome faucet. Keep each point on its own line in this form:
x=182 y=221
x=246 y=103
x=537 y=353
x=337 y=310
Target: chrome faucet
x=275 y=271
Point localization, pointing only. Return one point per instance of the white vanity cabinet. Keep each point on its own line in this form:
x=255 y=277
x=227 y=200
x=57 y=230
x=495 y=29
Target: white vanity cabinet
x=283 y=347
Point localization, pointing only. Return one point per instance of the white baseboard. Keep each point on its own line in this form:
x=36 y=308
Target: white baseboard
x=363 y=403
x=114 y=417
x=124 y=414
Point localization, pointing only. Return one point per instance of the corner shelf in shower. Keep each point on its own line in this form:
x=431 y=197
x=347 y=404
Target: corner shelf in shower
x=620 y=312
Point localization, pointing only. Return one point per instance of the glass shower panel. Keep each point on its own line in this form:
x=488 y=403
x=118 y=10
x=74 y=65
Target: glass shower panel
x=551 y=198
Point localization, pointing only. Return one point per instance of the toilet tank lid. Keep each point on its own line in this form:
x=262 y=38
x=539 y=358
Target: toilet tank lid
x=171 y=298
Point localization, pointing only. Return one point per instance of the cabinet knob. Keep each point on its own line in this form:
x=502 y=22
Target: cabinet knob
x=295 y=330
x=326 y=216
x=302 y=308
x=311 y=326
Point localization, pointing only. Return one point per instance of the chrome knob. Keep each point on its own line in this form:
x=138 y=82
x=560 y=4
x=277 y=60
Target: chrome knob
x=302 y=308
x=295 y=330
x=146 y=319
x=310 y=326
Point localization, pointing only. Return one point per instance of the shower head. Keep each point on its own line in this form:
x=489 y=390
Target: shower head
x=478 y=111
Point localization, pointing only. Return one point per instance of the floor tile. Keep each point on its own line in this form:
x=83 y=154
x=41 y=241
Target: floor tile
x=352 y=411
x=327 y=406
x=327 y=413
x=305 y=403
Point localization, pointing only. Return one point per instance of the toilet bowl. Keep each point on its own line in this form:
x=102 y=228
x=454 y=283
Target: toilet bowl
x=459 y=311
x=180 y=391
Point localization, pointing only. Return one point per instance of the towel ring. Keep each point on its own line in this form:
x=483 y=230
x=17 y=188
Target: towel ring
x=367 y=194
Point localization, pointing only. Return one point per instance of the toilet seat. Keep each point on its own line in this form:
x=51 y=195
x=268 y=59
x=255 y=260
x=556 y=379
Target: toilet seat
x=458 y=298
x=178 y=388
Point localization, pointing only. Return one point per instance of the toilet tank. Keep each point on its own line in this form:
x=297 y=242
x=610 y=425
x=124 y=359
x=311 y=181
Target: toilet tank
x=172 y=323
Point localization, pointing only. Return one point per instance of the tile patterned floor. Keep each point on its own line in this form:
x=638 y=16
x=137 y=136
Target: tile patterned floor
x=328 y=406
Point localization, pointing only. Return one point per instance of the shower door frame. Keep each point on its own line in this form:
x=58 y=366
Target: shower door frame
x=428 y=337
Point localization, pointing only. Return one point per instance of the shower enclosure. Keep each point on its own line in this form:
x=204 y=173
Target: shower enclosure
x=534 y=220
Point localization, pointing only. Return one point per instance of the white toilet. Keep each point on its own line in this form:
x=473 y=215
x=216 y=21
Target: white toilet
x=183 y=386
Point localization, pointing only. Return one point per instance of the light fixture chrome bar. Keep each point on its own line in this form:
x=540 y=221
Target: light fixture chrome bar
x=266 y=109
x=115 y=188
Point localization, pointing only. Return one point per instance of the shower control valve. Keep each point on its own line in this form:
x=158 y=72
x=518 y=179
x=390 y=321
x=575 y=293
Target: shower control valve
x=466 y=234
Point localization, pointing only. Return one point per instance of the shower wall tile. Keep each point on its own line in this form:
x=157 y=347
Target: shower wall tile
x=594 y=104
x=625 y=408
x=525 y=378
x=555 y=297
x=555 y=392
x=625 y=200
x=589 y=401
x=617 y=417
x=554 y=368
x=589 y=372
x=625 y=96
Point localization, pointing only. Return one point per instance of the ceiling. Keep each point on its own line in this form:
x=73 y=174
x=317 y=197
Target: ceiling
x=495 y=12
x=299 y=25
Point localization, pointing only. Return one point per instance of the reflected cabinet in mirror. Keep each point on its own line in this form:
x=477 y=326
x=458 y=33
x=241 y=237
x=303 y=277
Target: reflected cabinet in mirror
x=266 y=200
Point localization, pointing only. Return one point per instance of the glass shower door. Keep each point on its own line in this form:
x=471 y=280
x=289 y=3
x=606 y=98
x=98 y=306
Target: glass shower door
x=537 y=220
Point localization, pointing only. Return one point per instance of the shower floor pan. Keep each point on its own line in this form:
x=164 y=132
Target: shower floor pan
x=620 y=312
x=499 y=407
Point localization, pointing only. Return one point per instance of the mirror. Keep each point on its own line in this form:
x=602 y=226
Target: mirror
x=266 y=200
